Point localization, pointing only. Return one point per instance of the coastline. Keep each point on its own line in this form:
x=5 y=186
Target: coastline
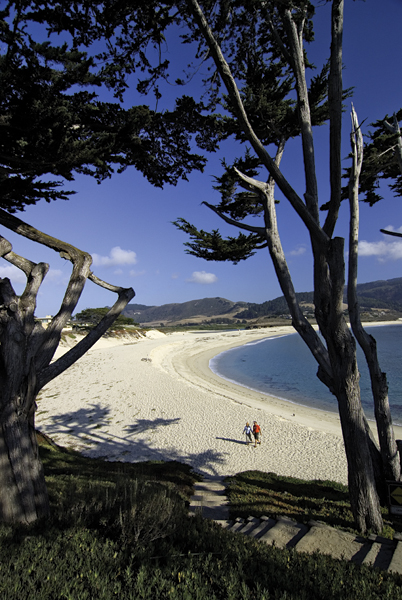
x=157 y=399
x=290 y=404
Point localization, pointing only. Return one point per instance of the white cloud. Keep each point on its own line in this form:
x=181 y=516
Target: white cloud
x=392 y=228
x=202 y=277
x=16 y=276
x=117 y=256
x=175 y=276
x=13 y=274
x=136 y=273
x=298 y=251
x=384 y=250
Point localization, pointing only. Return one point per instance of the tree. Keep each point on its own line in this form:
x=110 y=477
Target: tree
x=382 y=159
x=52 y=121
x=271 y=35
x=26 y=352
x=53 y=125
x=95 y=315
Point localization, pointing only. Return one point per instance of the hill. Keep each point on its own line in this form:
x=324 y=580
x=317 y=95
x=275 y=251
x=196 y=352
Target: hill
x=179 y=312
x=382 y=294
x=386 y=295
x=379 y=300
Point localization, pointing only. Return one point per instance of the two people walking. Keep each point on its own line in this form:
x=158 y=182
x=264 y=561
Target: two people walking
x=256 y=431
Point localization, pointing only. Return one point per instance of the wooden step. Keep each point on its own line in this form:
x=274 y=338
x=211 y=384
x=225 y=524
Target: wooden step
x=210 y=501
x=285 y=534
x=334 y=542
x=380 y=555
x=395 y=565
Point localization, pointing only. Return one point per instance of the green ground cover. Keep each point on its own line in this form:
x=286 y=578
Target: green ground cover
x=122 y=531
x=255 y=493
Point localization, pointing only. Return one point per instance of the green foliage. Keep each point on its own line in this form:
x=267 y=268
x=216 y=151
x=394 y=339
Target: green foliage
x=238 y=204
x=95 y=315
x=257 y=494
x=119 y=546
x=53 y=124
x=254 y=38
x=211 y=246
x=59 y=461
x=380 y=161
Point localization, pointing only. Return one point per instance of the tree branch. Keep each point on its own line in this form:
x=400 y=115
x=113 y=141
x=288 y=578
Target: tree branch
x=394 y=233
x=297 y=62
x=271 y=234
x=356 y=140
x=335 y=115
x=258 y=230
x=64 y=362
x=5 y=246
x=235 y=99
x=34 y=274
x=44 y=346
x=81 y=264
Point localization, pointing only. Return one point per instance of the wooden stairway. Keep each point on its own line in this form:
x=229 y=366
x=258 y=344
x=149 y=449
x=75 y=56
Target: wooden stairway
x=210 y=501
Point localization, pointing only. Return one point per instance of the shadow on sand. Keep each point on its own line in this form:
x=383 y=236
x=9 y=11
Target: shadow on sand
x=232 y=440
x=89 y=432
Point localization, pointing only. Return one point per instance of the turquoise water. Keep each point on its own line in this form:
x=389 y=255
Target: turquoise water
x=283 y=367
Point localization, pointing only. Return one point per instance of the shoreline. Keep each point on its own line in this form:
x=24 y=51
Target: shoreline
x=157 y=399
x=290 y=405
x=320 y=418
x=195 y=368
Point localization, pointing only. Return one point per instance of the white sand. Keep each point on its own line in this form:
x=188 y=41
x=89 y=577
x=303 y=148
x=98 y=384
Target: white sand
x=157 y=399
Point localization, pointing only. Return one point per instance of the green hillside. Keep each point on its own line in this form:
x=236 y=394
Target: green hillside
x=380 y=295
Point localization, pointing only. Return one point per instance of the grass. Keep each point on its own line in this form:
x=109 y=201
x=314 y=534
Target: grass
x=121 y=530
x=64 y=465
x=254 y=493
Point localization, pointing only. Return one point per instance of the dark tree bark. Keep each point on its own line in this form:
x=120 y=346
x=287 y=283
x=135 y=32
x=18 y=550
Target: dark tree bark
x=26 y=352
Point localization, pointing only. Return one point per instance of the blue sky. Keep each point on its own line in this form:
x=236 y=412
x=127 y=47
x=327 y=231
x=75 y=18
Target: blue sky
x=125 y=223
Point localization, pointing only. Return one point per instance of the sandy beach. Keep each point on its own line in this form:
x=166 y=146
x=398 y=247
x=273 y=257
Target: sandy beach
x=157 y=399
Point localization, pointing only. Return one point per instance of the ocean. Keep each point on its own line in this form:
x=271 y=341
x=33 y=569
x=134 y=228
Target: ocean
x=284 y=367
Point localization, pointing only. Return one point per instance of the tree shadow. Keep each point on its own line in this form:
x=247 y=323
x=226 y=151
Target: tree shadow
x=232 y=440
x=89 y=430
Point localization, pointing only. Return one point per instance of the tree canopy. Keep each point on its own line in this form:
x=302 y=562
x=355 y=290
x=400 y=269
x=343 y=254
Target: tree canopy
x=95 y=315
x=382 y=159
x=257 y=52
x=56 y=60
x=63 y=73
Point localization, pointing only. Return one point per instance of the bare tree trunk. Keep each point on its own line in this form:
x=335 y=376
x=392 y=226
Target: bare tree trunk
x=337 y=365
x=364 y=499
x=335 y=92
x=23 y=495
x=379 y=384
x=342 y=351
x=26 y=351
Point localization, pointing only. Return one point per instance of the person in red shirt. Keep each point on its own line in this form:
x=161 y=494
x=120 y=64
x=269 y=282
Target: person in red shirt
x=256 y=434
